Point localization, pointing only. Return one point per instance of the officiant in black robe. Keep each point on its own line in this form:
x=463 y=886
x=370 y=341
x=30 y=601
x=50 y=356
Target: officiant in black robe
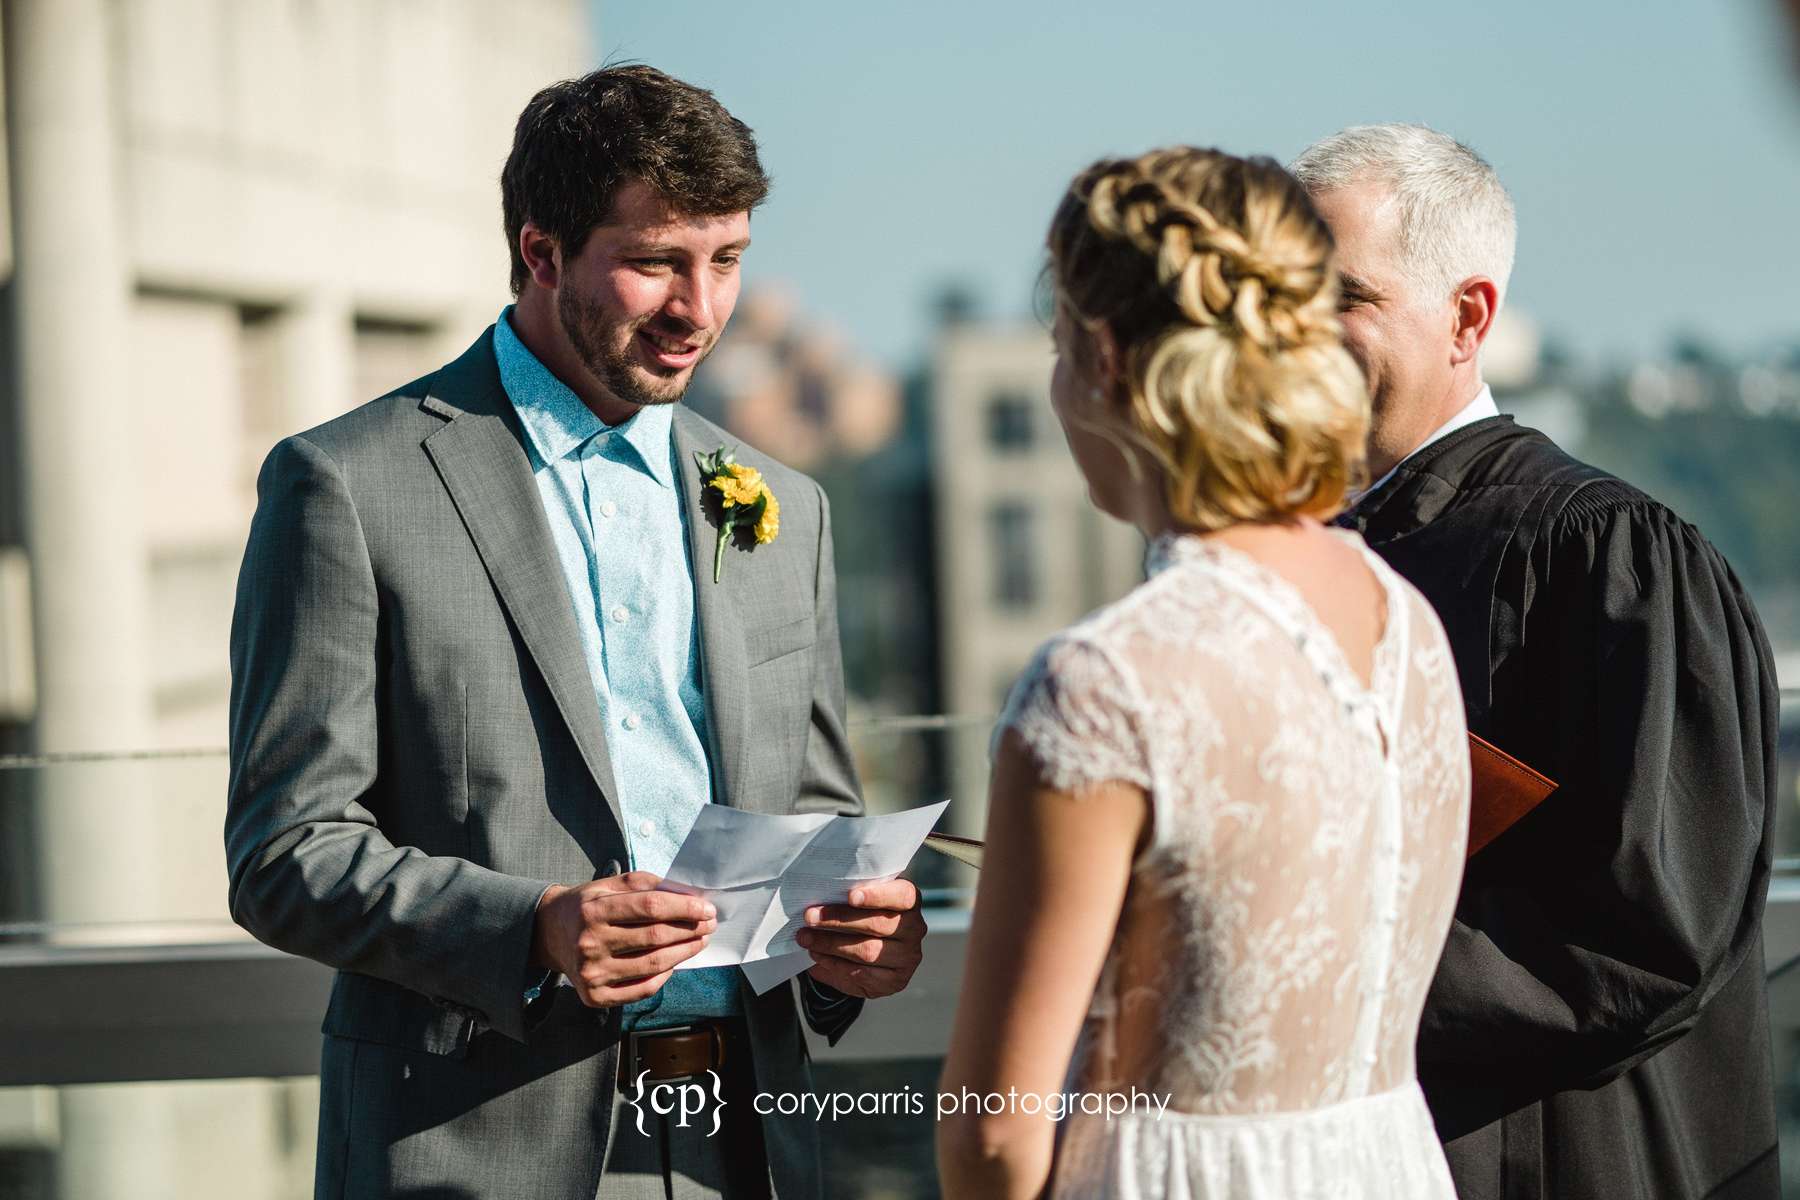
x=1597 y=1027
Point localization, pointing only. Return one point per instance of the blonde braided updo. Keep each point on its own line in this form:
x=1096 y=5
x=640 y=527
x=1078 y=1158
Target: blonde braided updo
x=1213 y=274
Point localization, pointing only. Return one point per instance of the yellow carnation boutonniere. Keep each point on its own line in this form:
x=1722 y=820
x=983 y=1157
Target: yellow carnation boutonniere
x=745 y=502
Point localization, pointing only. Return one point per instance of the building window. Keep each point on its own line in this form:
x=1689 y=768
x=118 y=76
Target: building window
x=389 y=352
x=1013 y=552
x=1011 y=422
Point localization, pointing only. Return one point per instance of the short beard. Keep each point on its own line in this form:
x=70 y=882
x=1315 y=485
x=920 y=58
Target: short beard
x=582 y=321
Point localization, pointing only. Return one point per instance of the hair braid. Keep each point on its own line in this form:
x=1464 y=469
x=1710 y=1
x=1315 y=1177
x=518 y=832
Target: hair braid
x=1213 y=272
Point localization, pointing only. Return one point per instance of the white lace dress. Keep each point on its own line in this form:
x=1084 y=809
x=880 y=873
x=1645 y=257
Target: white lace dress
x=1283 y=922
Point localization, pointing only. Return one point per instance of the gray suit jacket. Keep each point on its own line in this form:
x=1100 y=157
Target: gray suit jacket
x=417 y=751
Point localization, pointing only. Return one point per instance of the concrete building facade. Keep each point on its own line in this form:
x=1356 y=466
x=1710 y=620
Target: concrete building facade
x=1021 y=550
x=225 y=222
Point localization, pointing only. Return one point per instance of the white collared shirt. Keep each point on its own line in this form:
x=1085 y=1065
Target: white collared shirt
x=1479 y=409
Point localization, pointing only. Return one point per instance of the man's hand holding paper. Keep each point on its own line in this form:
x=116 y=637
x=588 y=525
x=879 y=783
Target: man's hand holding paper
x=774 y=878
x=870 y=946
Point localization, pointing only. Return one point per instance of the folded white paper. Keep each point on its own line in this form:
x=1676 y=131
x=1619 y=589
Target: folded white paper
x=763 y=872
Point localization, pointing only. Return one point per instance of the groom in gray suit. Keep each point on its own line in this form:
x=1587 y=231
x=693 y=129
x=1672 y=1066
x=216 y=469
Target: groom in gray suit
x=486 y=670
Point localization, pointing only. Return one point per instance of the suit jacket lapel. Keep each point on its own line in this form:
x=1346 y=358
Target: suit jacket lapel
x=725 y=675
x=482 y=461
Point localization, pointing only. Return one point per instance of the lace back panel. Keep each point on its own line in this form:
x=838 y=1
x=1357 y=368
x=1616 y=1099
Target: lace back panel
x=1284 y=919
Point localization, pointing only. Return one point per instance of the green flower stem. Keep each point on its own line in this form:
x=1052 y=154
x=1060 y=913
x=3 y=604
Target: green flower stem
x=719 y=550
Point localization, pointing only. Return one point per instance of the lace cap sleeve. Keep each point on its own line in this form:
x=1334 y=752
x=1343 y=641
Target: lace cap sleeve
x=1076 y=716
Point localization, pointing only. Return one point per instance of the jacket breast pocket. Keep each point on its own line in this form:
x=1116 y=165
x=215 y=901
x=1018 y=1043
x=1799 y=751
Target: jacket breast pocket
x=777 y=641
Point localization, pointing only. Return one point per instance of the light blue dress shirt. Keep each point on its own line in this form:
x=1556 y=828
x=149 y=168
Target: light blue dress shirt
x=616 y=517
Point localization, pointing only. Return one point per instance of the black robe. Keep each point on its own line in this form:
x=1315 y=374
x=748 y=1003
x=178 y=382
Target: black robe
x=1598 y=1025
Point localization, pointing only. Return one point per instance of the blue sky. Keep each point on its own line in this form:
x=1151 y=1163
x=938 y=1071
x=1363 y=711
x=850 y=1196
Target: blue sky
x=1652 y=146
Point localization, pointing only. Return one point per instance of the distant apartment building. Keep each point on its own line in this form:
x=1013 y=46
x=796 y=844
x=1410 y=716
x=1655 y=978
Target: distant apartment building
x=1021 y=551
x=227 y=222
x=790 y=387
x=794 y=389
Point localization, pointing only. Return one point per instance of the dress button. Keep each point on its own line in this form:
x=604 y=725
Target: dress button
x=630 y=721
x=646 y=827
x=609 y=509
x=620 y=612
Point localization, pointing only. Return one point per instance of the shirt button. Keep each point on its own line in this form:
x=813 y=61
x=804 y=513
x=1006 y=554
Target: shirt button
x=609 y=509
x=1371 y=1059
x=620 y=612
x=630 y=721
x=646 y=827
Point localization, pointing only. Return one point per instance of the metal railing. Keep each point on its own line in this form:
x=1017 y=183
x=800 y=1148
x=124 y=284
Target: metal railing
x=145 y=997
x=117 y=1014
x=209 y=1003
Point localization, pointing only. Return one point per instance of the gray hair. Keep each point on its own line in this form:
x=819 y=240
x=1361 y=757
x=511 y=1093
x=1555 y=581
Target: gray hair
x=1456 y=219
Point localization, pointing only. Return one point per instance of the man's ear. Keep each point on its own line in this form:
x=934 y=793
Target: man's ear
x=1477 y=303
x=543 y=258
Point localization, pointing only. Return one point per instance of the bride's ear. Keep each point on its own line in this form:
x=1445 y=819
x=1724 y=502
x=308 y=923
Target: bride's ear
x=1109 y=359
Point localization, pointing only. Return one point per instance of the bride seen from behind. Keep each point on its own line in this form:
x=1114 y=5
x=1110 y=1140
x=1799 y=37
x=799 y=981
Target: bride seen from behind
x=1227 y=813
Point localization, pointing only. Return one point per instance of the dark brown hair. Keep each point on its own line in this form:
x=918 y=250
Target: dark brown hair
x=580 y=140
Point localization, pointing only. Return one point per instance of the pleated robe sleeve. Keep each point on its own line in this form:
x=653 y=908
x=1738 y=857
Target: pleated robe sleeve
x=1614 y=913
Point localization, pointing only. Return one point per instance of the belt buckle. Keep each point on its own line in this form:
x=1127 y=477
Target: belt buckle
x=628 y=1048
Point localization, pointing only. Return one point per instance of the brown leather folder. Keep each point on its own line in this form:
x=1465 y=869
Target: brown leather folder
x=1504 y=790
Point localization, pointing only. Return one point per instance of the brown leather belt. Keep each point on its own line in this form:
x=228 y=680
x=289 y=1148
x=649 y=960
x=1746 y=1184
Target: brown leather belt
x=674 y=1053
